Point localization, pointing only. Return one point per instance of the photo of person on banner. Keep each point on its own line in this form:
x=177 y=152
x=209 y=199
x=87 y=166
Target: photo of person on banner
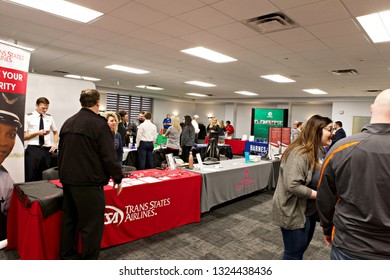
x=9 y=126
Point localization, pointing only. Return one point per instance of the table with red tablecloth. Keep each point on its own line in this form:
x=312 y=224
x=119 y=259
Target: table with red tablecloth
x=155 y=201
x=238 y=146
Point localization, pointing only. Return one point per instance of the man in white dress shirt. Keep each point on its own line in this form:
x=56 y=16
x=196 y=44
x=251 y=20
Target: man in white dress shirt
x=195 y=124
x=146 y=137
x=40 y=146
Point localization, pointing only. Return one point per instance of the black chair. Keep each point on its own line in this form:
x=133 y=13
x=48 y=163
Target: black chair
x=50 y=174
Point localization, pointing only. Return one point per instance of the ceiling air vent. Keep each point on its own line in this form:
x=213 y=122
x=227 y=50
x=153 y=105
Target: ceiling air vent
x=270 y=23
x=345 y=72
x=374 y=90
x=60 y=72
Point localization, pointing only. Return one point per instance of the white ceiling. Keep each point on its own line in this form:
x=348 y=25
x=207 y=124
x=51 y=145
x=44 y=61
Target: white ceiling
x=149 y=34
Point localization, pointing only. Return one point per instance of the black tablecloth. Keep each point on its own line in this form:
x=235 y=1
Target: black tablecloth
x=48 y=194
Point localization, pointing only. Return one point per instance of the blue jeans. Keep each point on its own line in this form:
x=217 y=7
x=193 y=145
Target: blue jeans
x=337 y=254
x=296 y=241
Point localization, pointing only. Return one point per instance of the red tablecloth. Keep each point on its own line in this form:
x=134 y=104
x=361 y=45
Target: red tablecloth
x=238 y=146
x=139 y=211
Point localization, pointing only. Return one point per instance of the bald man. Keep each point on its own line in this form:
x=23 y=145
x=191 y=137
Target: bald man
x=353 y=199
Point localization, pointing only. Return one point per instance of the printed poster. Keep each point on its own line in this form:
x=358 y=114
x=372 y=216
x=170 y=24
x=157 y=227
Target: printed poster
x=14 y=63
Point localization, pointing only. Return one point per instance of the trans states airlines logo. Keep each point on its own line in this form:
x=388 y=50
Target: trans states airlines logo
x=113 y=215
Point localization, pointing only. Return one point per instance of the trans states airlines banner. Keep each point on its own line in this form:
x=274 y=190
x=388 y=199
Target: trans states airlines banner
x=14 y=63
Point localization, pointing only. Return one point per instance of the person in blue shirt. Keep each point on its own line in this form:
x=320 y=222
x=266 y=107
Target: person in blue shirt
x=167 y=122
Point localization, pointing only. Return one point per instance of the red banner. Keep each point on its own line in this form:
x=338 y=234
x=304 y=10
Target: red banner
x=13 y=81
x=286 y=138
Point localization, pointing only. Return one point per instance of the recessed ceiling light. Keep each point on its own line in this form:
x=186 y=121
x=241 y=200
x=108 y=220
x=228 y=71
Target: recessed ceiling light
x=17 y=45
x=90 y=78
x=209 y=55
x=201 y=84
x=81 y=77
x=314 y=91
x=151 y=87
x=126 y=69
x=61 y=8
x=197 y=94
x=278 y=78
x=248 y=93
x=377 y=26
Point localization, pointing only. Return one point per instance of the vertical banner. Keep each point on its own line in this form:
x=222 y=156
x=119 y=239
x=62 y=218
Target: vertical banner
x=263 y=119
x=274 y=141
x=14 y=63
x=286 y=138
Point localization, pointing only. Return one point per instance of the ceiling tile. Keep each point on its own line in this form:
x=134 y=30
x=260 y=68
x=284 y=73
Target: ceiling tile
x=148 y=35
x=205 y=18
x=202 y=37
x=233 y=31
x=172 y=8
x=173 y=27
x=283 y=4
x=318 y=12
x=334 y=28
x=292 y=35
x=139 y=14
x=245 y=9
x=115 y=25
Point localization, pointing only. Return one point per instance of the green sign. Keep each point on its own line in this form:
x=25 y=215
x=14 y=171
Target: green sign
x=263 y=119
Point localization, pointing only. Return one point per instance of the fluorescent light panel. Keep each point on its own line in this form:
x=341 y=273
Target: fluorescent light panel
x=209 y=55
x=248 y=93
x=149 y=87
x=196 y=94
x=82 y=77
x=201 y=84
x=278 y=78
x=314 y=91
x=377 y=26
x=126 y=69
x=61 y=8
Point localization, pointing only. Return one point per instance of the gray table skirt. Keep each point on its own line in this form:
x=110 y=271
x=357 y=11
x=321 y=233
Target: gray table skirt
x=231 y=179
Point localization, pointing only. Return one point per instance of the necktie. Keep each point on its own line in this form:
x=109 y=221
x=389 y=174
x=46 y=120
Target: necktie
x=41 y=138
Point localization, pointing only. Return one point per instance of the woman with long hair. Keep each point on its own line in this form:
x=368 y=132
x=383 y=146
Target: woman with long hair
x=173 y=135
x=213 y=129
x=112 y=121
x=294 y=205
x=187 y=138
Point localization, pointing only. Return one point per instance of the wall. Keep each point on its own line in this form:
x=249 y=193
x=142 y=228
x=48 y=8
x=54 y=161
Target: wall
x=303 y=112
x=161 y=108
x=213 y=110
x=344 y=111
x=63 y=94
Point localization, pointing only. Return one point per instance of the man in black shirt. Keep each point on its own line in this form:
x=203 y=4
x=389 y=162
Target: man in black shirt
x=87 y=159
